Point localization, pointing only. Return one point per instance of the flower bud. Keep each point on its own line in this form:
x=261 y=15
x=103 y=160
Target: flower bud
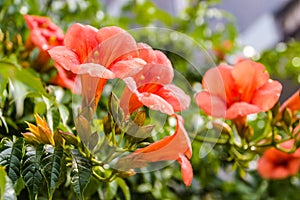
x=223 y=127
x=248 y=133
x=140 y=118
x=125 y=174
x=107 y=124
x=287 y=116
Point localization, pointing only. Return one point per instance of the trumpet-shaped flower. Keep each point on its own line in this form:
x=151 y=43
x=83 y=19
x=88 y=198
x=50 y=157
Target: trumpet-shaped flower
x=39 y=133
x=236 y=91
x=151 y=87
x=275 y=164
x=45 y=35
x=174 y=147
x=93 y=53
x=293 y=103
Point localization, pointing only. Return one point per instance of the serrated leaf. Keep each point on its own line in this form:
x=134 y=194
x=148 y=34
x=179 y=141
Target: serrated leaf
x=124 y=187
x=81 y=172
x=11 y=156
x=51 y=162
x=31 y=170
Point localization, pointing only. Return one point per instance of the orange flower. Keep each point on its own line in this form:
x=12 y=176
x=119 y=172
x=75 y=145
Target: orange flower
x=40 y=133
x=293 y=103
x=45 y=35
x=147 y=88
x=275 y=164
x=96 y=55
x=174 y=147
x=151 y=85
x=232 y=92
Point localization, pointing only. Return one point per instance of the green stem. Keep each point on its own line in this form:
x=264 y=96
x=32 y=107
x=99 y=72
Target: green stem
x=211 y=140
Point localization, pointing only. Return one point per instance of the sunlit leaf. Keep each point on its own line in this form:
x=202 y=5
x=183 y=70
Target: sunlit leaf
x=10 y=71
x=2 y=182
x=124 y=187
x=10 y=193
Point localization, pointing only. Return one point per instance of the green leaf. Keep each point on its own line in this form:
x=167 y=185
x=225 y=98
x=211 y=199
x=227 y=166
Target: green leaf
x=7 y=191
x=19 y=186
x=81 y=172
x=115 y=109
x=3 y=121
x=40 y=108
x=53 y=118
x=31 y=170
x=19 y=92
x=10 y=71
x=51 y=163
x=64 y=113
x=10 y=193
x=2 y=182
x=53 y=115
x=112 y=188
x=11 y=156
x=124 y=187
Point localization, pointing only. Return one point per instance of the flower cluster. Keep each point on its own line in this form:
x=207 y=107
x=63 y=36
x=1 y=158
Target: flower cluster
x=95 y=56
x=110 y=52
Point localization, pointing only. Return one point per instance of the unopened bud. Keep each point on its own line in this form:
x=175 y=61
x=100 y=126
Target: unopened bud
x=275 y=109
x=107 y=124
x=223 y=127
x=248 y=133
x=125 y=174
x=8 y=45
x=70 y=138
x=140 y=118
x=18 y=40
x=287 y=116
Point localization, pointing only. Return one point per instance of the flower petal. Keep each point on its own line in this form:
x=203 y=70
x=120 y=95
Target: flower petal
x=241 y=109
x=219 y=82
x=64 y=78
x=95 y=70
x=115 y=44
x=125 y=68
x=81 y=39
x=292 y=103
x=154 y=73
x=267 y=95
x=155 y=102
x=186 y=169
x=65 y=58
x=167 y=148
x=249 y=76
x=174 y=96
x=210 y=104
